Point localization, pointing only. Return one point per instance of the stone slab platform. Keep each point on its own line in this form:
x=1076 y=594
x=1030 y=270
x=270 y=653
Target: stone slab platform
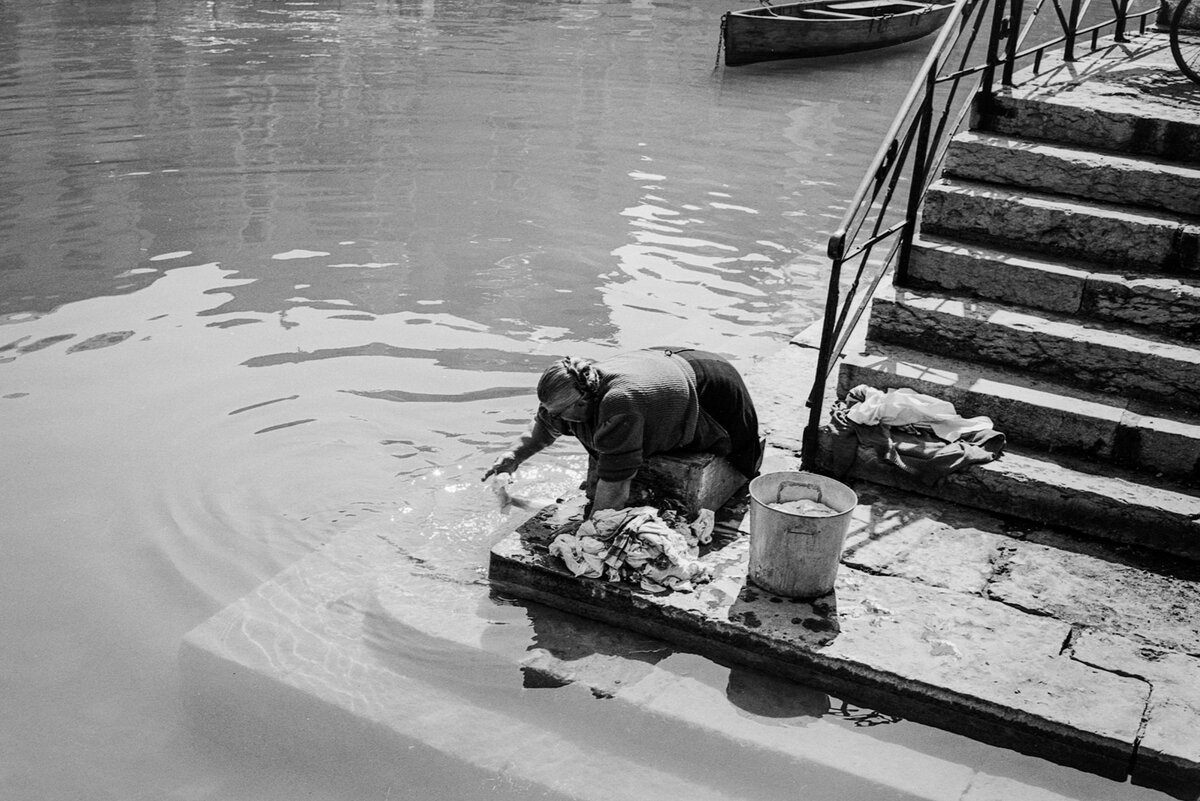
x=365 y=659
x=1087 y=660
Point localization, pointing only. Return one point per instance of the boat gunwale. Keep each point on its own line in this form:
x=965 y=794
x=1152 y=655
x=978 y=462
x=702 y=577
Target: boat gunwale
x=769 y=12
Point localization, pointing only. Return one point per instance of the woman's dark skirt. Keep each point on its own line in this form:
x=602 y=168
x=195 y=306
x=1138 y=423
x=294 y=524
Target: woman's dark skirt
x=724 y=396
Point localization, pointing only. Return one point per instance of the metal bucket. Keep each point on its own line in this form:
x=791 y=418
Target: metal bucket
x=794 y=554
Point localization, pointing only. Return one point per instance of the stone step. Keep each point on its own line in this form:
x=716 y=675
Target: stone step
x=1168 y=304
x=1110 y=589
x=1123 y=236
x=308 y=663
x=1108 y=112
x=1039 y=412
x=1121 y=602
x=650 y=690
x=345 y=655
x=1061 y=170
x=1122 y=361
x=1105 y=503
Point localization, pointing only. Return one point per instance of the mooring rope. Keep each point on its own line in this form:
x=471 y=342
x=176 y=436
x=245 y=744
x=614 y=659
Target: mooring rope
x=721 y=39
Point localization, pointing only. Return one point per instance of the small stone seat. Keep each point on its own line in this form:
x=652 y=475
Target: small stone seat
x=698 y=480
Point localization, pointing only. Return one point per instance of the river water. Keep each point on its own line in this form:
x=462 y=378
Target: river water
x=272 y=269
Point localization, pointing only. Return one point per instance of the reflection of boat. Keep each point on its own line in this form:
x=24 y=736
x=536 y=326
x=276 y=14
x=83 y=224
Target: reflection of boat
x=826 y=27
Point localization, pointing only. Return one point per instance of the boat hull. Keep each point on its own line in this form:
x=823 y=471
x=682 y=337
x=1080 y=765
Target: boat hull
x=768 y=34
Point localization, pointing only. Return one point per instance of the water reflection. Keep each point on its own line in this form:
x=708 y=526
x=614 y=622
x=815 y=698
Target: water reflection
x=223 y=133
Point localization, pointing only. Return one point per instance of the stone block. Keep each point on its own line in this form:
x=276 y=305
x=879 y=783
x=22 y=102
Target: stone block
x=1167 y=304
x=699 y=480
x=895 y=534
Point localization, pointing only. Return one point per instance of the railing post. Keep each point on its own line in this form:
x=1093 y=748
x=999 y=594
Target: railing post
x=810 y=442
x=1072 y=26
x=920 y=174
x=1017 y=8
x=992 y=57
x=1122 y=10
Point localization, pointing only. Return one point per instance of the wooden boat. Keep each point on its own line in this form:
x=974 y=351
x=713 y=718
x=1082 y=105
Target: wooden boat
x=826 y=27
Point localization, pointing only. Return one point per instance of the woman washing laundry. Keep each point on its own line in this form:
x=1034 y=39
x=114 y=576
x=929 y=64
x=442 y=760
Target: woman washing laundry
x=635 y=405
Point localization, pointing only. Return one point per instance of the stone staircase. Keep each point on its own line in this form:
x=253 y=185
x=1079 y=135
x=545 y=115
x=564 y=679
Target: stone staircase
x=1055 y=287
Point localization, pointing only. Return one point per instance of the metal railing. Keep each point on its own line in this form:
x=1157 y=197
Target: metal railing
x=979 y=45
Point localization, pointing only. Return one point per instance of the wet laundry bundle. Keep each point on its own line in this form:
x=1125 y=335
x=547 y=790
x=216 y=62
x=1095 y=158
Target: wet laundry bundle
x=922 y=435
x=638 y=546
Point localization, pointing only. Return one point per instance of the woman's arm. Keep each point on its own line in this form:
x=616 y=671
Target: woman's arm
x=611 y=494
x=619 y=444
x=541 y=434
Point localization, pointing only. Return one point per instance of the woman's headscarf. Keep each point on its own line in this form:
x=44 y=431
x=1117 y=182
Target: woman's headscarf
x=568 y=374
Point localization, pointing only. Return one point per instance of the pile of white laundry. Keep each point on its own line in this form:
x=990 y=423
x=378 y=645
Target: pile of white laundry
x=638 y=546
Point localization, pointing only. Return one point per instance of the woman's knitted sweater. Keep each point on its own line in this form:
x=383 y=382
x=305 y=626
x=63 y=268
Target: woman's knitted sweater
x=646 y=404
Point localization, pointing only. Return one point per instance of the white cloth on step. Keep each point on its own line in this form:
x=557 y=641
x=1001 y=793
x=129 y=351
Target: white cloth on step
x=902 y=407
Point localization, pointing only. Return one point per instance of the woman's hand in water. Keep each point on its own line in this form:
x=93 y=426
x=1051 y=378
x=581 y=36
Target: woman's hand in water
x=507 y=463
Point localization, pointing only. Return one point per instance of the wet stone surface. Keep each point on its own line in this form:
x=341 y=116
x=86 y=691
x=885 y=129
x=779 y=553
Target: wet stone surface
x=1121 y=590
x=1096 y=587
x=1068 y=646
x=902 y=539
x=928 y=632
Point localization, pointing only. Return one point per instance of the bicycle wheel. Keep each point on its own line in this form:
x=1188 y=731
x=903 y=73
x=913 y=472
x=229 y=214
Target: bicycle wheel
x=1186 y=53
